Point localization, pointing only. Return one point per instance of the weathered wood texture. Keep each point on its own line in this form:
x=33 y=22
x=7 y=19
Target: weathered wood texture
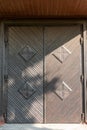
x=51 y=54
x=25 y=85
x=43 y=8
x=63 y=104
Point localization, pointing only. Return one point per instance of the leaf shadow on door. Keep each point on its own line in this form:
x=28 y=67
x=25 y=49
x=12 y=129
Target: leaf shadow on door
x=26 y=85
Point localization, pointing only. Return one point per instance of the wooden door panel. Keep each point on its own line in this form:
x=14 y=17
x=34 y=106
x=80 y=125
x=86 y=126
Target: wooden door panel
x=62 y=63
x=62 y=73
x=25 y=70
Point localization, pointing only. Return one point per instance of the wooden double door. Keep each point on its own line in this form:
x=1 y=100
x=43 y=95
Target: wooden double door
x=43 y=68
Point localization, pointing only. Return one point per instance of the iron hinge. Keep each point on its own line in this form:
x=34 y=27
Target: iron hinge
x=81 y=78
x=6 y=44
x=4 y=116
x=6 y=39
x=6 y=78
x=82 y=117
x=81 y=41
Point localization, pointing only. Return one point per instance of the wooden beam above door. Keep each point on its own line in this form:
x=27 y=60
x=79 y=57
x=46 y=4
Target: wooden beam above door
x=12 y=9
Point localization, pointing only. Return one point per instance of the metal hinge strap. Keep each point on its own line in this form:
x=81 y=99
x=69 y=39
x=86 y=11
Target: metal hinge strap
x=81 y=78
x=4 y=116
x=81 y=40
x=82 y=117
x=6 y=77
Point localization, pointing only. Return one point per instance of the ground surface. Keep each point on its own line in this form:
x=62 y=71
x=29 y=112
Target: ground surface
x=44 y=127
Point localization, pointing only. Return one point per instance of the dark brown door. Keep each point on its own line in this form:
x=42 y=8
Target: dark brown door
x=62 y=63
x=25 y=75
x=44 y=68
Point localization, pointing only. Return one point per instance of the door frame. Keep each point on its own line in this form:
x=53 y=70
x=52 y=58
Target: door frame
x=43 y=22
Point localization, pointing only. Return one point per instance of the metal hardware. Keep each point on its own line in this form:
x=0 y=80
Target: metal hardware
x=81 y=40
x=6 y=44
x=82 y=117
x=5 y=73
x=6 y=34
x=6 y=40
x=6 y=78
x=81 y=78
x=4 y=116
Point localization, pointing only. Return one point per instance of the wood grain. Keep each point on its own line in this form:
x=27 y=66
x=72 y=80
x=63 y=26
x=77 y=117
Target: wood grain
x=43 y=8
x=67 y=110
x=20 y=109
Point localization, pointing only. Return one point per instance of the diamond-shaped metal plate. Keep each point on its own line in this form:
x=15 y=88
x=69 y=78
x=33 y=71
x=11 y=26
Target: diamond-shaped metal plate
x=61 y=53
x=27 y=53
x=27 y=90
x=63 y=91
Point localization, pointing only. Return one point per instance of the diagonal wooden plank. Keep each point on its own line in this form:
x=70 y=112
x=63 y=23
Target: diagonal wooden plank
x=21 y=110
